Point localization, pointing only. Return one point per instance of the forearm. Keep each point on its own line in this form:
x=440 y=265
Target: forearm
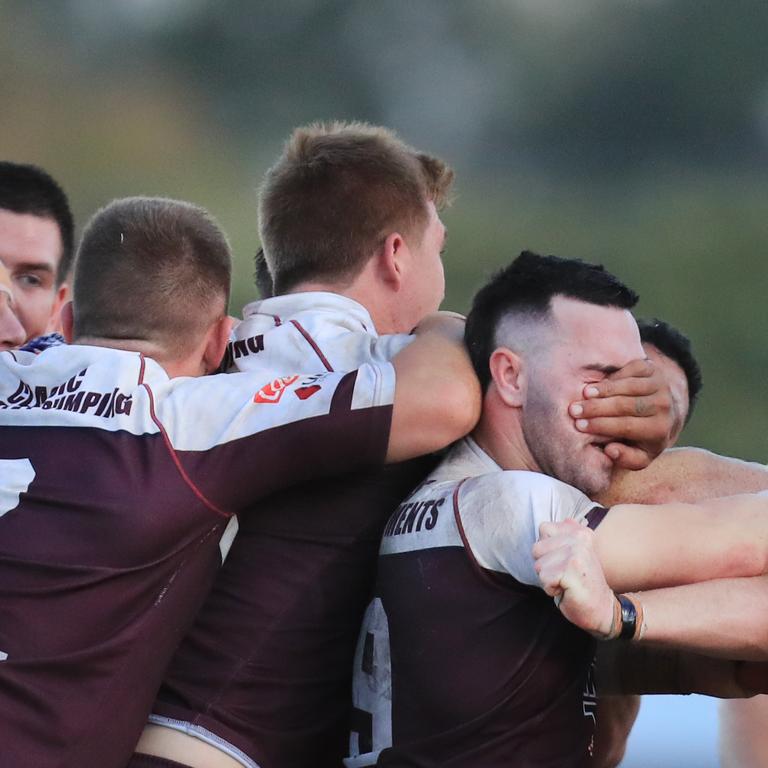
x=650 y=547
x=725 y=617
x=685 y=474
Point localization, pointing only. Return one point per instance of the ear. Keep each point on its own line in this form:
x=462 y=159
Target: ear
x=394 y=258
x=509 y=376
x=67 y=322
x=216 y=344
x=55 y=320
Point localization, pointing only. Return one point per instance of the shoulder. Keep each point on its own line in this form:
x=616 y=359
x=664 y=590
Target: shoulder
x=519 y=490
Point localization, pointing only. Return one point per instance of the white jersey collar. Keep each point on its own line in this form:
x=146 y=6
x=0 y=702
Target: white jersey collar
x=465 y=459
x=291 y=304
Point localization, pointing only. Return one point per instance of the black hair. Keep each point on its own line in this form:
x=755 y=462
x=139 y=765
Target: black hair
x=528 y=285
x=675 y=345
x=29 y=189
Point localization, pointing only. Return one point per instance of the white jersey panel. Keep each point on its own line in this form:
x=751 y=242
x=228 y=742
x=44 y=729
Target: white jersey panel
x=78 y=386
x=501 y=514
x=98 y=387
x=500 y=511
x=240 y=404
x=296 y=330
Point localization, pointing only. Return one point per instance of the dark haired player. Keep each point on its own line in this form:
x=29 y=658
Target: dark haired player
x=462 y=659
x=36 y=244
x=122 y=467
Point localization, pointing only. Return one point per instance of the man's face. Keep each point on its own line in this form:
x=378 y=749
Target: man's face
x=425 y=287
x=678 y=387
x=584 y=344
x=30 y=248
x=11 y=331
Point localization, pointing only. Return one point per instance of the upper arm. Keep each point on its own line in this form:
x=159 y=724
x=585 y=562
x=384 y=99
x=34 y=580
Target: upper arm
x=686 y=474
x=437 y=397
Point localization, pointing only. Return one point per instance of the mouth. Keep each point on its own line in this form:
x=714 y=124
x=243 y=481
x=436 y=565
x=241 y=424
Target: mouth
x=599 y=446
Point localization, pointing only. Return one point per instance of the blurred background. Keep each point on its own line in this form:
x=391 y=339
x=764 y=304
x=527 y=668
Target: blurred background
x=628 y=132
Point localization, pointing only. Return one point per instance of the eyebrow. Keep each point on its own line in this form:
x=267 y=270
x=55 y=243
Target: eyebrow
x=31 y=266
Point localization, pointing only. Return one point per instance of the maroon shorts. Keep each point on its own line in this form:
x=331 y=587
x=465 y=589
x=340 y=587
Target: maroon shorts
x=150 y=761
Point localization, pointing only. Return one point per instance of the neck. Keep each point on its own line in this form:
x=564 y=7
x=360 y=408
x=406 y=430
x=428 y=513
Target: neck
x=363 y=292
x=184 y=366
x=500 y=434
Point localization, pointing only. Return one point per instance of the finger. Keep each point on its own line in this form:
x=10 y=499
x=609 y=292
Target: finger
x=625 y=385
x=628 y=456
x=549 y=529
x=641 y=367
x=550 y=578
x=548 y=545
x=617 y=405
x=632 y=428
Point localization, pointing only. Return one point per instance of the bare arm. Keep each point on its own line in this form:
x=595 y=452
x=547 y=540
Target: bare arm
x=647 y=547
x=686 y=474
x=437 y=395
x=725 y=617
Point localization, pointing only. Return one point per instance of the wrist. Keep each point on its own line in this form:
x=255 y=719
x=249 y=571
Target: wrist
x=627 y=620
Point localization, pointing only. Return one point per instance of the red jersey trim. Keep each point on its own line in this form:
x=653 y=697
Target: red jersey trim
x=187 y=479
x=313 y=344
x=486 y=576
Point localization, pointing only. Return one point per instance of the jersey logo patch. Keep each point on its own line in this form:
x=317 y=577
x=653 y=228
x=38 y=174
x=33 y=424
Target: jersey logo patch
x=272 y=392
x=304 y=392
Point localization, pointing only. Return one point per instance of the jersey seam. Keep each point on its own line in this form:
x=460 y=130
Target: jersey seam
x=481 y=572
x=174 y=457
x=312 y=343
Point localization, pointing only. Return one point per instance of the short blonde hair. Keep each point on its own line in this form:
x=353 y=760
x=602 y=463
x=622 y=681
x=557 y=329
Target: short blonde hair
x=334 y=195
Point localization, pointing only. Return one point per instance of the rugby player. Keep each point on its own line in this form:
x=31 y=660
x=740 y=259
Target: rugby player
x=11 y=331
x=122 y=466
x=463 y=660
x=349 y=220
x=36 y=244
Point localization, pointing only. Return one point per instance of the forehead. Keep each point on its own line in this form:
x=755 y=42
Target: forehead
x=435 y=226
x=28 y=239
x=596 y=335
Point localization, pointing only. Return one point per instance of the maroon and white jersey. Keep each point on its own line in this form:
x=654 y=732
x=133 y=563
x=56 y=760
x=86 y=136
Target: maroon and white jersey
x=463 y=660
x=324 y=331
x=265 y=673
x=118 y=488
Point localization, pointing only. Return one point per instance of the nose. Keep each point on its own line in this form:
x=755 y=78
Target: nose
x=11 y=331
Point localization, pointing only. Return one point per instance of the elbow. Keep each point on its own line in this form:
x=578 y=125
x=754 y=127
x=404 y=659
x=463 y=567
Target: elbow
x=746 y=559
